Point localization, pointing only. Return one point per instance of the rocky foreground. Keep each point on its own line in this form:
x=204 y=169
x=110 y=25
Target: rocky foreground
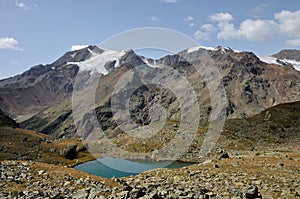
x=274 y=175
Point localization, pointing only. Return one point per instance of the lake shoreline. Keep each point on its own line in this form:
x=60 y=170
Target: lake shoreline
x=109 y=167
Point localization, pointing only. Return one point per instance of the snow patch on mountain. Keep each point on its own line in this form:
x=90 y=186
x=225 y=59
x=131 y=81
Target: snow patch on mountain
x=97 y=61
x=78 y=47
x=151 y=63
x=269 y=59
x=274 y=60
x=296 y=64
x=193 y=49
x=223 y=49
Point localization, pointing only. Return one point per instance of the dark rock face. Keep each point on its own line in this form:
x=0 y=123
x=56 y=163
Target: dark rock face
x=6 y=120
x=131 y=58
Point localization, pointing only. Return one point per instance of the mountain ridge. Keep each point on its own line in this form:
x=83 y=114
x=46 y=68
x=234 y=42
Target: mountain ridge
x=244 y=63
x=250 y=85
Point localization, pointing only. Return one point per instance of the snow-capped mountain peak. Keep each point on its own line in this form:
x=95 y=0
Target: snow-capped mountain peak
x=98 y=59
x=222 y=49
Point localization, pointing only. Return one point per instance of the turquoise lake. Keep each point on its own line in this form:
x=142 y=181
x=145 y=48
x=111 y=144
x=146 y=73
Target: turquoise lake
x=108 y=167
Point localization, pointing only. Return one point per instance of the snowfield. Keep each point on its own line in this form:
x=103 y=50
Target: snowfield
x=274 y=60
x=97 y=61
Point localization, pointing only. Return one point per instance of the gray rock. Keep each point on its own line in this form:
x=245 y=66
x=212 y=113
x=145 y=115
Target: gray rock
x=82 y=193
x=69 y=152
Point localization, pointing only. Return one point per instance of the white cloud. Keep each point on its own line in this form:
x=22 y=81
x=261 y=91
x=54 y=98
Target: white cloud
x=205 y=31
x=169 y=1
x=286 y=23
x=192 y=24
x=252 y=30
x=189 y=19
x=22 y=5
x=221 y=17
x=289 y=25
x=208 y=28
x=293 y=42
x=261 y=7
x=78 y=47
x=9 y=43
x=200 y=35
x=154 y=19
x=257 y=30
x=249 y=29
x=228 y=31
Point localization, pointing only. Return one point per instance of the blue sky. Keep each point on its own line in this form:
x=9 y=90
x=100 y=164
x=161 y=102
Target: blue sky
x=34 y=32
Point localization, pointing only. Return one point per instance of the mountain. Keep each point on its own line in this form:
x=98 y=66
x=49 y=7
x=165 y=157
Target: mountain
x=25 y=95
x=284 y=57
x=288 y=54
x=43 y=94
x=251 y=85
x=6 y=120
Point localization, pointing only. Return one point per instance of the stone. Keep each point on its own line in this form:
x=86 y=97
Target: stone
x=224 y=155
x=67 y=183
x=69 y=152
x=23 y=175
x=251 y=192
x=280 y=164
x=82 y=193
x=25 y=164
x=52 y=150
x=41 y=172
x=122 y=194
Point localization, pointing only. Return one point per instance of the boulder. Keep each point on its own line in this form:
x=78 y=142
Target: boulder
x=69 y=152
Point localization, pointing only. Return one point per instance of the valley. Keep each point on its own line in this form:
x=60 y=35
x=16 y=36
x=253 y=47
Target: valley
x=63 y=115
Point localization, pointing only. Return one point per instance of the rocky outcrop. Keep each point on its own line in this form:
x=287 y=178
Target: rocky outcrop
x=6 y=120
x=69 y=152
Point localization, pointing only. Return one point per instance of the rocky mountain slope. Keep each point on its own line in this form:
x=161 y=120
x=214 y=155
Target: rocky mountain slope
x=251 y=86
x=42 y=85
x=288 y=54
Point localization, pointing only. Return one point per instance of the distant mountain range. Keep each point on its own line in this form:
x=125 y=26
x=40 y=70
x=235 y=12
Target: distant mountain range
x=41 y=98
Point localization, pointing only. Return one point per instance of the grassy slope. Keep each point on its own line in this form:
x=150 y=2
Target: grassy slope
x=275 y=128
x=24 y=144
